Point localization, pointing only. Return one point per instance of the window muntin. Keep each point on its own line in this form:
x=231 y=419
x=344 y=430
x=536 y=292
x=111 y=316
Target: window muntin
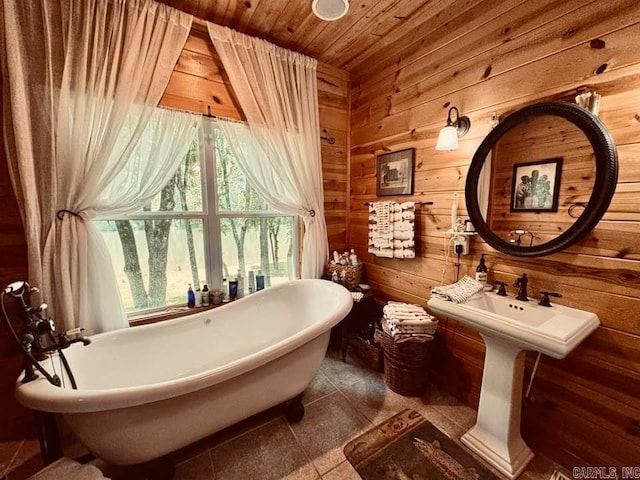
x=193 y=230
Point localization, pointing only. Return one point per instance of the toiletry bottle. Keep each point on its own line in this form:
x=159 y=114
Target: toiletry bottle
x=205 y=296
x=353 y=258
x=191 y=297
x=481 y=271
x=198 y=298
x=252 y=281
x=259 y=281
x=225 y=290
x=240 y=280
x=233 y=289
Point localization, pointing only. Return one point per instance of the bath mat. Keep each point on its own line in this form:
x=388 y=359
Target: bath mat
x=409 y=447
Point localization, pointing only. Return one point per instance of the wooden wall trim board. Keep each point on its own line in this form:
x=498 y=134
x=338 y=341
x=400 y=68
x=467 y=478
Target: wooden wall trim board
x=500 y=56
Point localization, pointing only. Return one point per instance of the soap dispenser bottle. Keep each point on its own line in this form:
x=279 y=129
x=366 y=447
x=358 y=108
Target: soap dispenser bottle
x=259 y=281
x=225 y=290
x=191 y=297
x=205 y=296
x=482 y=272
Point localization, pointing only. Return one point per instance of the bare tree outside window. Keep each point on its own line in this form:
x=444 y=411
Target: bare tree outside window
x=160 y=250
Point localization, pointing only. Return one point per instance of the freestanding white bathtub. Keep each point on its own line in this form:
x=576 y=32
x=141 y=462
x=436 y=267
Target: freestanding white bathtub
x=146 y=391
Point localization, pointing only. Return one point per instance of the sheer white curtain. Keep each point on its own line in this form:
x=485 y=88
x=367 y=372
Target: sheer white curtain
x=81 y=79
x=279 y=150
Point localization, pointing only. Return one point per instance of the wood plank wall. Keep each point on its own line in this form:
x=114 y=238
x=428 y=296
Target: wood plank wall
x=197 y=81
x=499 y=56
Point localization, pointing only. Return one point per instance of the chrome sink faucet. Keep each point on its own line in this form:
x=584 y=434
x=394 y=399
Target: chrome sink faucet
x=521 y=285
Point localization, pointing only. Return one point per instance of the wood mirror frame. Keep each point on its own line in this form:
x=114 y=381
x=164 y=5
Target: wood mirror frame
x=606 y=177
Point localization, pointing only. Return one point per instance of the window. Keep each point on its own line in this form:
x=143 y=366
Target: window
x=206 y=224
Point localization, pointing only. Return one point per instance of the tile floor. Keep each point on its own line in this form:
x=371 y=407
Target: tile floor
x=344 y=400
x=15 y=454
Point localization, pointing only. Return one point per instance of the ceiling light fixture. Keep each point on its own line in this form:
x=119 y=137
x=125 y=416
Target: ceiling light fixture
x=330 y=10
x=448 y=138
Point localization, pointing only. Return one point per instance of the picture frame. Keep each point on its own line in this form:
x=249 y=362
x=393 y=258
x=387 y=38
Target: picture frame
x=536 y=186
x=394 y=173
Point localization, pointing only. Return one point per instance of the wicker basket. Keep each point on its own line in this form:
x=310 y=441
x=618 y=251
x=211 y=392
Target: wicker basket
x=406 y=365
x=369 y=353
x=353 y=274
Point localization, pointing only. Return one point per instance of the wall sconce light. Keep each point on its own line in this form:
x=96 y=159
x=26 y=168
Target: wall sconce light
x=448 y=138
x=330 y=10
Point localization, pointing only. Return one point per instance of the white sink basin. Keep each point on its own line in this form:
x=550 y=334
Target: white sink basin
x=508 y=327
x=554 y=331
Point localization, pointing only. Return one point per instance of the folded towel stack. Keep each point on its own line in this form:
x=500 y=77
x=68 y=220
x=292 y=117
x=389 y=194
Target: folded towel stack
x=458 y=292
x=392 y=229
x=404 y=322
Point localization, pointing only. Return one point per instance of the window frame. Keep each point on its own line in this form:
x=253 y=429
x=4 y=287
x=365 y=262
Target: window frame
x=211 y=217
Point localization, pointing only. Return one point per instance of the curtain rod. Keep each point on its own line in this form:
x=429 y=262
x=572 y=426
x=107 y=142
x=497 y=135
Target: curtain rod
x=200 y=25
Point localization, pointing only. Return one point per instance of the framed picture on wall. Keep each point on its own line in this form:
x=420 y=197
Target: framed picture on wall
x=536 y=186
x=394 y=173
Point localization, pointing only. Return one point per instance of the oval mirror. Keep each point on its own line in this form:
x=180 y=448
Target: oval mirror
x=542 y=179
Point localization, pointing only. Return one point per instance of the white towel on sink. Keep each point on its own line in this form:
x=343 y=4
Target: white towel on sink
x=458 y=292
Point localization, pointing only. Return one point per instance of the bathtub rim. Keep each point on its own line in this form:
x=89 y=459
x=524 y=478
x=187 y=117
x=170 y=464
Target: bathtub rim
x=41 y=395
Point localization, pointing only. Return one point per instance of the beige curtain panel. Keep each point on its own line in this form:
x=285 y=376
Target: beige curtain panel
x=82 y=79
x=279 y=149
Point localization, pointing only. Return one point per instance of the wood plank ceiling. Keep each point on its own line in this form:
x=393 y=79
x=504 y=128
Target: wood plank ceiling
x=368 y=27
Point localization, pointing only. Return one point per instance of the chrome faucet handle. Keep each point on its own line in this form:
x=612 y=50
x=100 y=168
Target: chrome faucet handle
x=544 y=301
x=502 y=290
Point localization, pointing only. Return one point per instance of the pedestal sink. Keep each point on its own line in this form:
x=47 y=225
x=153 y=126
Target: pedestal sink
x=509 y=327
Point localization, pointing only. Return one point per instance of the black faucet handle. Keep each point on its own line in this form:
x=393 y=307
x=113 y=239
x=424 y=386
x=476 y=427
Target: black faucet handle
x=544 y=301
x=502 y=291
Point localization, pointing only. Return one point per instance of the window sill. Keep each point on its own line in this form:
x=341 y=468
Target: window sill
x=169 y=314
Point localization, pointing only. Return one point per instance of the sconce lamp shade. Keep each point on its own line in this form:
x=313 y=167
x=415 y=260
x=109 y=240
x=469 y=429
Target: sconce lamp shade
x=448 y=137
x=330 y=10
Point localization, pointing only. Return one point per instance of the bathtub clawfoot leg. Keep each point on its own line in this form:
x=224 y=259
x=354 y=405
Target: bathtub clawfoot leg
x=295 y=409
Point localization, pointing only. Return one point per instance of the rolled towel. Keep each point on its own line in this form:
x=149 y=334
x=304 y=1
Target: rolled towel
x=458 y=292
x=404 y=235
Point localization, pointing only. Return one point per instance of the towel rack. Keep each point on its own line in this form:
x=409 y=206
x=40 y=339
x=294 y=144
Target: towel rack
x=417 y=203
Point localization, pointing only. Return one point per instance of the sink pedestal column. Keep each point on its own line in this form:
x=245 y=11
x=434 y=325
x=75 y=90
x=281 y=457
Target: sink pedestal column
x=496 y=434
